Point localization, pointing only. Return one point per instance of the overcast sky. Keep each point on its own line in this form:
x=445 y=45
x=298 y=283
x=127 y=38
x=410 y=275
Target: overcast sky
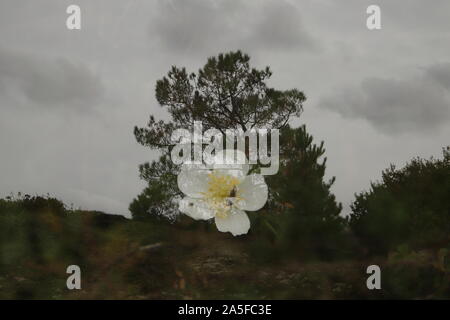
x=69 y=99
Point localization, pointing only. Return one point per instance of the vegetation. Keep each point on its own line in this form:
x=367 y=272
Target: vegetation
x=409 y=207
x=154 y=259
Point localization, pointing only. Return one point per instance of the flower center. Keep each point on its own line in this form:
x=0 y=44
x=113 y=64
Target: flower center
x=221 y=187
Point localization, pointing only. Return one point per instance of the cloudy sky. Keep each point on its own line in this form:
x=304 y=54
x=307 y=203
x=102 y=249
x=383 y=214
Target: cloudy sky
x=69 y=99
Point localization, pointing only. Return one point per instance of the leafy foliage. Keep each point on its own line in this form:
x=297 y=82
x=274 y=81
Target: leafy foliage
x=409 y=206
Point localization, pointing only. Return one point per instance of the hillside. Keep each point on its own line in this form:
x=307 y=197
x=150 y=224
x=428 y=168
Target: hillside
x=126 y=259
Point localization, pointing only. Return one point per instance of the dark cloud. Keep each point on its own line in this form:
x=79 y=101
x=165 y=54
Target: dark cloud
x=280 y=26
x=48 y=82
x=391 y=105
x=199 y=25
x=441 y=74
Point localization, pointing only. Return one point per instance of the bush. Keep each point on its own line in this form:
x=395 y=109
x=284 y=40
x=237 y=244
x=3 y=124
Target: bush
x=410 y=206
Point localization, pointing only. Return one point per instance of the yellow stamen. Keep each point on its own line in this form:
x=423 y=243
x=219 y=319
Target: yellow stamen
x=221 y=187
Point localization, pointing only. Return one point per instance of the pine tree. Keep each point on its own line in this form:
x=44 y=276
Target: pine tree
x=225 y=94
x=304 y=213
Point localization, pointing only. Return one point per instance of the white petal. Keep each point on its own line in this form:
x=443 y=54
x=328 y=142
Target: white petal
x=195 y=208
x=237 y=223
x=252 y=193
x=226 y=163
x=193 y=182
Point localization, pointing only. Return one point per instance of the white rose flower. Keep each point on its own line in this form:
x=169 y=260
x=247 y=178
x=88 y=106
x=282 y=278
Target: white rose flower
x=223 y=193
